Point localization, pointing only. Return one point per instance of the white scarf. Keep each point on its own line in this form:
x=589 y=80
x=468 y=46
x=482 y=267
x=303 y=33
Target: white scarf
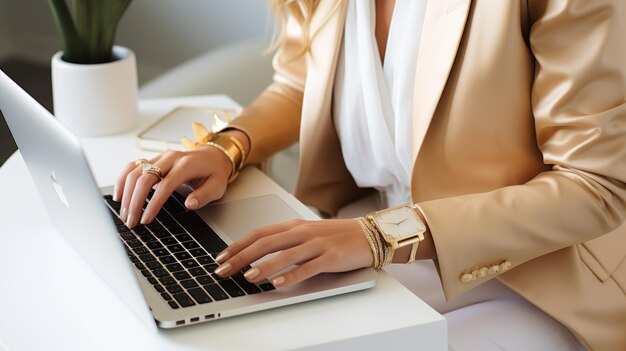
x=373 y=104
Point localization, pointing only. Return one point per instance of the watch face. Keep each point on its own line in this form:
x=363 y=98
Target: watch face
x=399 y=222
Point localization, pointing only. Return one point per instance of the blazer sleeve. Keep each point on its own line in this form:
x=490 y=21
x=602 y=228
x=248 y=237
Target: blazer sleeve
x=272 y=120
x=578 y=102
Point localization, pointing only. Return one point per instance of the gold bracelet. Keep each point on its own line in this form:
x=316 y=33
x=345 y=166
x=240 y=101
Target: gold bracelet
x=370 y=239
x=384 y=251
x=232 y=150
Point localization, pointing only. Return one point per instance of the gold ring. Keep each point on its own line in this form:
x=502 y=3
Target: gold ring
x=151 y=169
x=141 y=162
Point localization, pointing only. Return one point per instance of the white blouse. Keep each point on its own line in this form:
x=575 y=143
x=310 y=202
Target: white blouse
x=373 y=103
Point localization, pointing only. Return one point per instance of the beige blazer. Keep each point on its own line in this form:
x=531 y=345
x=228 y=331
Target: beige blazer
x=519 y=144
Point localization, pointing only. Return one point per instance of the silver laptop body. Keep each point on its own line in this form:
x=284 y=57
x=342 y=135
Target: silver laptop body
x=63 y=178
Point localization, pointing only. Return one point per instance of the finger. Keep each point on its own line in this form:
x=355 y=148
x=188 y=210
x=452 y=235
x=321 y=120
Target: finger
x=121 y=180
x=255 y=235
x=260 y=248
x=293 y=256
x=210 y=190
x=125 y=191
x=305 y=271
x=143 y=184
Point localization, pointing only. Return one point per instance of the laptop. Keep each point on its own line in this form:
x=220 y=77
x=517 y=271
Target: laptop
x=162 y=271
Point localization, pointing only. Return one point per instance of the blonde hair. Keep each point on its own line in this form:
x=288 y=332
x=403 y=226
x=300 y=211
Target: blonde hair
x=301 y=11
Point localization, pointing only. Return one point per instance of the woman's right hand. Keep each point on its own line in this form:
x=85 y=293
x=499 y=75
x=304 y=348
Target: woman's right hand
x=206 y=169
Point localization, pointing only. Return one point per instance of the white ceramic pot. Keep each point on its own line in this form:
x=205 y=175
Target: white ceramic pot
x=96 y=99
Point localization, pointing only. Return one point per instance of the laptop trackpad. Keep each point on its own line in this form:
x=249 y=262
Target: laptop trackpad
x=238 y=217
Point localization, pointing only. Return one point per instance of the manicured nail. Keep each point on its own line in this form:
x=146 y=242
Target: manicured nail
x=278 y=281
x=221 y=270
x=115 y=195
x=251 y=274
x=130 y=221
x=123 y=214
x=145 y=218
x=192 y=203
x=221 y=257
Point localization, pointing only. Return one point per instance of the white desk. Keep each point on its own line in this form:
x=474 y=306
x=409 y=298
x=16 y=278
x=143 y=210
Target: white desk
x=50 y=301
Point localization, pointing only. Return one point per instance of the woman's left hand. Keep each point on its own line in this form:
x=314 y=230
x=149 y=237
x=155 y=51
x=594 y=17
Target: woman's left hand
x=330 y=245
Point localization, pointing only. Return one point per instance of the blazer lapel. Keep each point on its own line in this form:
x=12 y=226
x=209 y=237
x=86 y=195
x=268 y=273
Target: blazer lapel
x=442 y=31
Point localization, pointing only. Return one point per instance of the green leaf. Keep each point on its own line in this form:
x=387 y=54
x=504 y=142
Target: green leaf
x=73 y=48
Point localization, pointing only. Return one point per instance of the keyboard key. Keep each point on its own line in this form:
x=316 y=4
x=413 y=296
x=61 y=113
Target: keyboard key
x=184 y=237
x=174 y=288
x=167 y=280
x=248 y=287
x=173 y=206
x=173 y=304
x=141 y=230
x=166 y=296
x=152 y=265
x=199 y=295
x=121 y=228
x=155 y=226
x=267 y=286
x=174 y=267
x=160 y=252
x=141 y=250
x=159 y=288
x=134 y=259
x=134 y=243
x=161 y=234
x=182 y=256
x=114 y=205
x=166 y=219
x=197 y=271
x=210 y=267
x=175 y=248
x=146 y=238
x=189 y=283
x=204 y=259
x=204 y=280
x=152 y=280
x=208 y=239
x=190 y=263
x=160 y=272
x=146 y=273
x=217 y=278
x=169 y=241
x=146 y=257
x=181 y=275
x=191 y=245
x=231 y=288
x=155 y=245
x=140 y=266
x=215 y=291
x=167 y=259
x=127 y=235
x=190 y=221
x=176 y=229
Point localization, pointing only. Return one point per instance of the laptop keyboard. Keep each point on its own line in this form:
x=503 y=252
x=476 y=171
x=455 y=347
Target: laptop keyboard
x=176 y=255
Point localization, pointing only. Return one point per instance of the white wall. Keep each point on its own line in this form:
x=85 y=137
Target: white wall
x=162 y=33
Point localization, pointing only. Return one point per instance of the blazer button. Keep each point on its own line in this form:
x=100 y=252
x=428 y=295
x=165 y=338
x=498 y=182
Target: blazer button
x=494 y=269
x=466 y=278
x=483 y=272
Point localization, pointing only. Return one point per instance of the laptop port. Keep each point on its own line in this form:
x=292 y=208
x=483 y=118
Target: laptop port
x=180 y=322
x=209 y=316
x=195 y=319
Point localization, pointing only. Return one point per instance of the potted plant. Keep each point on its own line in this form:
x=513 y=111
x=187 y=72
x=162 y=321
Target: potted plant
x=94 y=82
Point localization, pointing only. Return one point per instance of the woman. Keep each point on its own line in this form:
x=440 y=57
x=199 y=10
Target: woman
x=502 y=121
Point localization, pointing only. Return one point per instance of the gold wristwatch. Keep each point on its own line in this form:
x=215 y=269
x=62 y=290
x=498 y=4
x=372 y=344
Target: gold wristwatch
x=399 y=226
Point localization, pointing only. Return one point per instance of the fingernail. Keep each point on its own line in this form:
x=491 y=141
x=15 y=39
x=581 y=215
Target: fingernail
x=115 y=195
x=221 y=270
x=129 y=222
x=123 y=214
x=221 y=257
x=145 y=218
x=252 y=273
x=278 y=281
x=192 y=203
